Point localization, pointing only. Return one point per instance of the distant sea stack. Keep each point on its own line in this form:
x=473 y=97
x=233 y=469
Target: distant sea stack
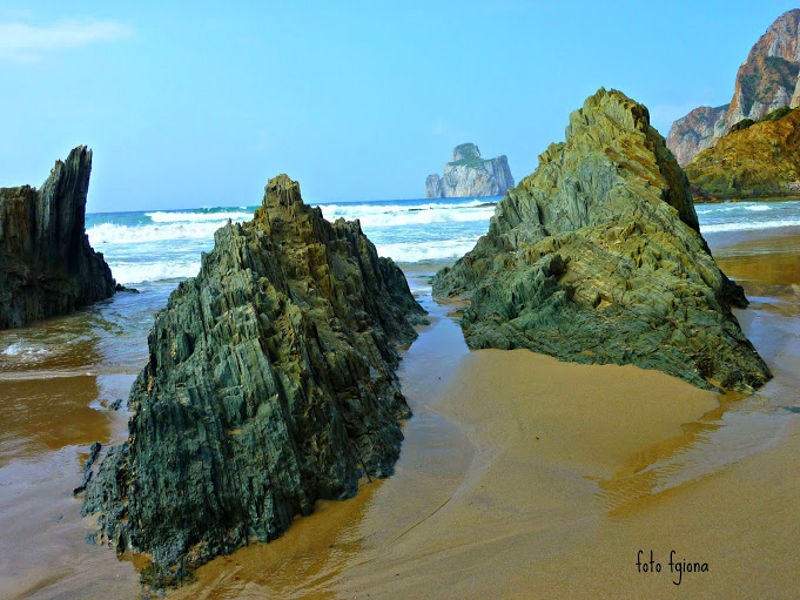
x=469 y=175
x=768 y=80
x=47 y=266
x=270 y=384
x=755 y=160
x=597 y=258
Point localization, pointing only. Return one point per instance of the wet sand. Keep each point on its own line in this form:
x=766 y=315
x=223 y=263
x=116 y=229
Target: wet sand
x=520 y=477
x=524 y=477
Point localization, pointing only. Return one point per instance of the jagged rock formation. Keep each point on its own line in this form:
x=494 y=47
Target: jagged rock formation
x=47 y=266
x=467 y=174
x=759 y=160
x=768 y=79
x=597 y=258
x=270 y=384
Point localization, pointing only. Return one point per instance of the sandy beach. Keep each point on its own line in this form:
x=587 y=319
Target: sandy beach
x=520 y=476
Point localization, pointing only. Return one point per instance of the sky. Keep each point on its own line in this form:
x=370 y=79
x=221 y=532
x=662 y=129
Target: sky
x=198 y=104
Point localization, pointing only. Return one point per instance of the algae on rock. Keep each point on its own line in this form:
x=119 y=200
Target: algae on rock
x=597 y=258
x=270 y=384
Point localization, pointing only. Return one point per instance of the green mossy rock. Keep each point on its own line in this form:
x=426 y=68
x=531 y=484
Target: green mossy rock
x=270 y=384
x=597 y=258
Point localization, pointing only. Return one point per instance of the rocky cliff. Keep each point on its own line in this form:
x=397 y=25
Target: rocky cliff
x=597 y=258
x=47 y=266
x=758 y=160
x=768 y=79
x=270 y=384
x=467 y=174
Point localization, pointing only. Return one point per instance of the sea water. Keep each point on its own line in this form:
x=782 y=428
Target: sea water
x=152 y=246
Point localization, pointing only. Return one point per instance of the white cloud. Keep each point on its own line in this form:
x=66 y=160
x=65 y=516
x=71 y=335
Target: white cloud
x=440 y=128
x=29 y=42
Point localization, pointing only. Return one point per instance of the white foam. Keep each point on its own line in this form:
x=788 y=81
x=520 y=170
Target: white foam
x=21 y=349
x=393 y=215
x=444 y=250
x=133 y=273
x=198 y=217
x=749 y=225
x=110 y=233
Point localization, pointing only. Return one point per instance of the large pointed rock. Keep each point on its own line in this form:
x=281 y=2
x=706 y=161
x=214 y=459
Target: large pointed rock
x=47 y=266
x=597 y=258
x=270 y=384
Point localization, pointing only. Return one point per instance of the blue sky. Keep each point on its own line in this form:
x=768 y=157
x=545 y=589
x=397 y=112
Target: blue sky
x=190 y=105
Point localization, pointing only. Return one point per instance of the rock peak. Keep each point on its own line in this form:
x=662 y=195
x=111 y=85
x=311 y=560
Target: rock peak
x=281 y=191
x=609 y=104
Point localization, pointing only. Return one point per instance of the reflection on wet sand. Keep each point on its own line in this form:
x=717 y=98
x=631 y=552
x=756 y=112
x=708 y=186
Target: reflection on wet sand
x=52 y=407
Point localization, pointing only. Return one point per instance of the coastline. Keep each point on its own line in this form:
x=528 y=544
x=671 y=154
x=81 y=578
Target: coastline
x=626 y=459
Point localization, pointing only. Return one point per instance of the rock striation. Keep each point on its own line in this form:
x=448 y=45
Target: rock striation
x=597 y=258
x=758 y=160
x=768 y=79
x=270 y=384
x=467 y=174
x=47 y=266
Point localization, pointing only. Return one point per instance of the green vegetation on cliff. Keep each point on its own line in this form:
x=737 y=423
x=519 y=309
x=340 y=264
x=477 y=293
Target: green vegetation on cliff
x=756 y=160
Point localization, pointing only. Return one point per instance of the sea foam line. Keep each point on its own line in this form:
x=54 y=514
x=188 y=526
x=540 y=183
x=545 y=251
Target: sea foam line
x=195 y=217
x=748 y=225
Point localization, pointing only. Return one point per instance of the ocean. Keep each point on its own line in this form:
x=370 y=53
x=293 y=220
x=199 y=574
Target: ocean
x=152 y=251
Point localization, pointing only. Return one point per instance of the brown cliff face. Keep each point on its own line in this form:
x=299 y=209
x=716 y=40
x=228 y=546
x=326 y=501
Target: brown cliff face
x=767 y=80
x=759 y=161
x=47 y=266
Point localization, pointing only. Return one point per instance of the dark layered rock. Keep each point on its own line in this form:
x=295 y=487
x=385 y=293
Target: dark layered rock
x=270 y=384
x=756 y=160
x=766 y=81
x=597 y=258
x=47 y=266
x=469 y=175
